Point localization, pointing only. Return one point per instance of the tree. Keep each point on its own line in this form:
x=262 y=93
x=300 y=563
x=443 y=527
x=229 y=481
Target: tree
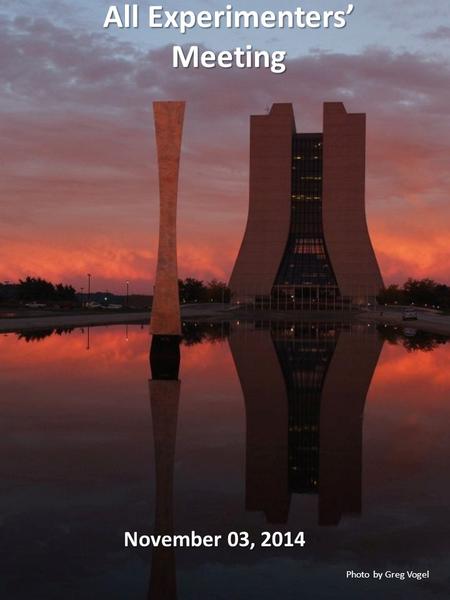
x=65 y=292
x=192 y=290
x=217 y=291
x=417 y=291
x=391 y=295
x=442 y=296
x=419 y=340
x=420 y=291
x=37 y=289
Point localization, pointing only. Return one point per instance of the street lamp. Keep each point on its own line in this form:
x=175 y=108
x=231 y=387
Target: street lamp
x=89 y=287
x=128 y=285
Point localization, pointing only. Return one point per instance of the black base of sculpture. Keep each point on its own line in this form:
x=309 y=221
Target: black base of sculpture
x=165 y=356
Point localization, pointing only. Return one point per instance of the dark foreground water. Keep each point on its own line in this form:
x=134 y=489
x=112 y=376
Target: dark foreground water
x=341 y=432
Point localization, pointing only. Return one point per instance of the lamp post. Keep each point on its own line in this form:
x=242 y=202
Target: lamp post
x=89 y=287
x=82 y=297
x=128 y=286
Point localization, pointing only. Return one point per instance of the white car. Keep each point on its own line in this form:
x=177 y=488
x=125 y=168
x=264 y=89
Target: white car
x=409 y=332
x=112 y=306
x=93 y=304
x=409 y=315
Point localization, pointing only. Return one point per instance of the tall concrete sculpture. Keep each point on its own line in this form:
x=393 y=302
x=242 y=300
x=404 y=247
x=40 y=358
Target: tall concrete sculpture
x=165 y=319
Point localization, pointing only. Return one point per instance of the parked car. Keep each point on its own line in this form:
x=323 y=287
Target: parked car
x=409 y=315
x=93 y=304
x=409 y=332
x=111 y=306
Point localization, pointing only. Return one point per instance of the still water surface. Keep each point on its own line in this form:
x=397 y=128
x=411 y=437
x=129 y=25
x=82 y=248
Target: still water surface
x=335 y=430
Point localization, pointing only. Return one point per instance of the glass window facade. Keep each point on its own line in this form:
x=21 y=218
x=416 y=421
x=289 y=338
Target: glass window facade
x=304 y=353
x=305 y=276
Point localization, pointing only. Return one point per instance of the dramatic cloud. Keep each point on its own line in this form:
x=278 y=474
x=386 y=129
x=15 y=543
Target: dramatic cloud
x=440 y=33
x=79 y=184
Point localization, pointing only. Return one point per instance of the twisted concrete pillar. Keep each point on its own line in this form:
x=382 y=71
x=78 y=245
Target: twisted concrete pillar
x=165 y=319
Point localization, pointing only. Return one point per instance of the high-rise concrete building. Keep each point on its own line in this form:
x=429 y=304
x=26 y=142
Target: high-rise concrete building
x=306 y=243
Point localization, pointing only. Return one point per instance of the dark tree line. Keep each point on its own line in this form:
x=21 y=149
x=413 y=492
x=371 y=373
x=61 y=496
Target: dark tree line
x=39 y=290
x=36 y=335
x=197 y=333
x=416 y=340
x=421 y=292
x=195 y=290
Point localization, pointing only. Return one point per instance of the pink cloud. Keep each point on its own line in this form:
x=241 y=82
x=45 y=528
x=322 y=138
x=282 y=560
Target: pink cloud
x=79 y=185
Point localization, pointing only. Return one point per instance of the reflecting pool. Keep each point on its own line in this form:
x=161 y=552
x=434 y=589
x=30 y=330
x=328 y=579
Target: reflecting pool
x=337 y=430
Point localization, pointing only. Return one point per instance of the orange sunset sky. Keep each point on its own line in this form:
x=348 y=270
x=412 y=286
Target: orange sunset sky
x=78 y=186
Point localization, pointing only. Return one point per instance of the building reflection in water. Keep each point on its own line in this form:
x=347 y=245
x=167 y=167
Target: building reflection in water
x=304 y=387
x=164 y=388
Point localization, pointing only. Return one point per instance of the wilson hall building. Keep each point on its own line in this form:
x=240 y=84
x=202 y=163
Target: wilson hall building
x=306 y=244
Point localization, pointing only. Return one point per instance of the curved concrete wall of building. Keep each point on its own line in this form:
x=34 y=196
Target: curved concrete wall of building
x=341 y=420
x=344 y=216
x=267 y=422
x=269 y=203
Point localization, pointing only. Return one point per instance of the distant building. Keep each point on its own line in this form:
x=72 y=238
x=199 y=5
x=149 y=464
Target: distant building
x=306 y=244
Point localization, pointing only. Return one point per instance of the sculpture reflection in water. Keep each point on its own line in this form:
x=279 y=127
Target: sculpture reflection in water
x=304 y=387
x=164 y=388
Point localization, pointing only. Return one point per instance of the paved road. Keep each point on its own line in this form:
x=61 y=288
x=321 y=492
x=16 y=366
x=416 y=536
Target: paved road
x=45 y=319
x=426 y=320
x=50 y=321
